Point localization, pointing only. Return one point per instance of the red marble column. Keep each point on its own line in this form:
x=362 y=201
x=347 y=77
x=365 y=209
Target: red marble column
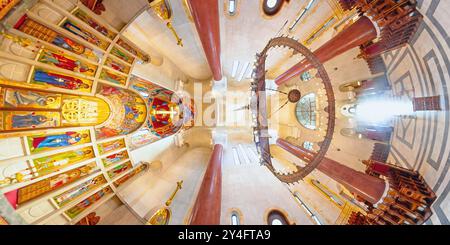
x=206 y=18
x=359 y=33
x=373 y=50
x=365 y=186
x=207 y=206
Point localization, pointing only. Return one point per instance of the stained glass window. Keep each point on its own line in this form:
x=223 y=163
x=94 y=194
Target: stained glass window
x=306 y=111
x=306 y=76
x=308 y=145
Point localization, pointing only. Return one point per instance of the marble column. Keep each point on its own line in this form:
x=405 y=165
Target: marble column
x=359 y=33
x=207 y=206
x=363 y=185
x=206 y=18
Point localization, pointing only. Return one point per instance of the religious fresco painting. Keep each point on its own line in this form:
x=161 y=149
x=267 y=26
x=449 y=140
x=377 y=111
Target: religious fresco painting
x=162 y=115
x=113 y=77
x=77 y=30
x=110 y=146
x=116 y=65
x=68 y=196
x=46 y=142
x=41 y=32
x=90 y=219
x=119 y=169
x=49 y=164
x=94 y=24
x=142 y=137
x=12 y=98
x=122 y=55
x=16 y=172
x=26 y=108
x=26 y=120
x=59 y=80
x=115 y=158
x=84 y=110
x=75 y=113
x=130 y=49
x=86 y=203
x=148 y=89
x=66 y=62
x=141 y=168
x=129 y=110
x=33 y=191
x=165 y=117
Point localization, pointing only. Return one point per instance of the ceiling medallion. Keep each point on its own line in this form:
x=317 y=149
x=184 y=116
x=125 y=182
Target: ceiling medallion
x=260 y=112
x=294 y=96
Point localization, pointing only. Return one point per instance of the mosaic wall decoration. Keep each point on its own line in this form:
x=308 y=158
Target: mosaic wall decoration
x=35 y=190
x=79 y=190
x=119 y=169
x=59 y=80
x=86 y=35
x=110 y=146
x=129 y=110
x=94 y=24
x=40 y=142
x=115 y=158
x=66 y=62
x=56 y=162
x=39 y=31
x=83 y=205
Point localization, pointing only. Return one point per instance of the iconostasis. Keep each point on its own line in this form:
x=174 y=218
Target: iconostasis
x=68 y=99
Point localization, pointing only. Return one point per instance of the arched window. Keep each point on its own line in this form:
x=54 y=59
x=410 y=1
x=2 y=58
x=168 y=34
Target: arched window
x=235 y=219
x=232 y=7
x=275 y=217
x=271 y=3
x=306 y=111
x=272 y=7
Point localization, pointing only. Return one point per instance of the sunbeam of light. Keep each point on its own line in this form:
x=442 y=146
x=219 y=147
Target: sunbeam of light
x=383 y=110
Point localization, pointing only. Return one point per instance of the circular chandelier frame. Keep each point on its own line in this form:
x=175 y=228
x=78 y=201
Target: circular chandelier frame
x=259 y=109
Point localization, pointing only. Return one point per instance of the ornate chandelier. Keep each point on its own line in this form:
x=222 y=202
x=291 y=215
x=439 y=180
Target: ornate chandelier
x=260 y=114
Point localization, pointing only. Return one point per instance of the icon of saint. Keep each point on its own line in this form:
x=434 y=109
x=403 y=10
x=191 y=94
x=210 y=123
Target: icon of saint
x=60 y=81
x=60 y=140
x=29 y=121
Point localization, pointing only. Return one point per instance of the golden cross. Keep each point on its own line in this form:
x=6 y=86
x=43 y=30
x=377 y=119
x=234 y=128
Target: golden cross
x=179 y=187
